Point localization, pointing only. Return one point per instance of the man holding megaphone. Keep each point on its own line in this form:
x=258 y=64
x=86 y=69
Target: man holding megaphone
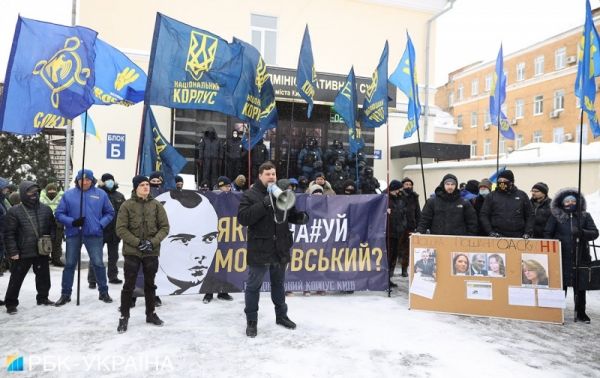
x=266 y=209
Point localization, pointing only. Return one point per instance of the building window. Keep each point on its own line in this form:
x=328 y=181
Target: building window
x=585 y=134
x=459 y=92
x=538 y=65
x=474 y=148
x=521 y=71
x=473 y=119
x=488 y=82
x=487 y=118
x=487 y=147
x=538 y=105
x=560 y=58
x=537 y=136
x=518 y=141
x=264 y=36
x=558 y=135
x=459 y=121
x=559 y=99
x=519 y=108
x=502 y=144
x=450 y=99
x=475 y=87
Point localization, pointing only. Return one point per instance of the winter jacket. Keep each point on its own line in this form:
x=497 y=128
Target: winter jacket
x=259 y=154
x=53 y=203
x=413 y=209
x=138 y=220
x=233 y=149
x=541 y=213
x=508 y=213
x=327 y=189
x=561 y=226
x=116 y=199
x=3 y=210
x=19 y=235
x=268 y=242
x=97 y=210
x=210 y=146
x=397 y=217
x=448 y=213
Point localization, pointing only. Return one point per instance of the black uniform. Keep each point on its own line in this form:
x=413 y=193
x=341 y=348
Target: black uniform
x=368 y=183
x=541 y=214
x=507 y=213
x=413 y=216
x=209 y=153
x=259 y=154
x=233 y=156
x=396 y=228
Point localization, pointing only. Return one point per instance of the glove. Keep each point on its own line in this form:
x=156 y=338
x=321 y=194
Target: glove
x=525 y=236
x=78 y=222
x=145 y=246
x=267 y=202
x=494 y=234
x=576 y=232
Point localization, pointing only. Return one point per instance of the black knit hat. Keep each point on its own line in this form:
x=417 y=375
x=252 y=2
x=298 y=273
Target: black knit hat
x=178 y=178
x=156 y=174
x=472 y=186
x=507 y=174
x=542 y=187
x=107 y=176
x=137 y=180
x=406 y=179
x=395 y=185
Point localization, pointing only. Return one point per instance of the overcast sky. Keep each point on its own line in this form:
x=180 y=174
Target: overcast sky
x=471 y=31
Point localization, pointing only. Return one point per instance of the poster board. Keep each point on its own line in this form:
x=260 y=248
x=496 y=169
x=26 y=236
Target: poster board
x=481 y=276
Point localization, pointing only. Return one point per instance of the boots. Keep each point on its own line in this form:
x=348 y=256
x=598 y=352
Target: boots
x=123 y=321
x=207 y=298
x=104 y=297
x=580 y=308
x=154 y=319
x=225 y=296
x=285 y=322
x=63 y=300
x=45 y=302
x=404 y=272
x=251 y=328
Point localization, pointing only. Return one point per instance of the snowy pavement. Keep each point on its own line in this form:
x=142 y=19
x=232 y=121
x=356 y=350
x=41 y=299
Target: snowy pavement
x=359 y=335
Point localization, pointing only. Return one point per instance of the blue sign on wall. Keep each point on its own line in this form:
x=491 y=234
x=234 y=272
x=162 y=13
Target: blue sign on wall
x=115 y=146
x=377 y=154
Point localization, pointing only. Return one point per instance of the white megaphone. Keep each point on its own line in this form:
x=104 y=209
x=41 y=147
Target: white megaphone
x=285 y=199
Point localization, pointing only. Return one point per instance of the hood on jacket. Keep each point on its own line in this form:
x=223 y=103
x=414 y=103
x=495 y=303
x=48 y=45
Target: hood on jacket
x=88 y=174
x=440 y=191
x=24 y=187
x=556 y=206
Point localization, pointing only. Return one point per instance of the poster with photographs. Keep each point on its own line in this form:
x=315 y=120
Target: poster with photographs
x=425 y=265
x=534 y=270
x=478 y=264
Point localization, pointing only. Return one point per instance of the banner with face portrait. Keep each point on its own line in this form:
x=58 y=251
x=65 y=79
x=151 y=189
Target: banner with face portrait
x=341 y=248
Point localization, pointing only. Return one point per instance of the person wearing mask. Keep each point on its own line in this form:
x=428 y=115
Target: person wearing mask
x=574 y=233
x=178 y=182
x=447 y=213
x=293 y=184
x=302 y=184
x=156 y=184
x=396 y=226
x=324 y=184
x=84 y=227
x=485 y=187
x=24 y=225
x=368 y=183
x=349 y=187
x=141 y=247
x=51 y=197
x=413 y=215
x=541 y=208
x=108 y=184
x=507 y=211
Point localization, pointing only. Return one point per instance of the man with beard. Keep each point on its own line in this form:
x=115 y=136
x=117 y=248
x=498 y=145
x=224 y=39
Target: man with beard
x=178 y=182
x=51 y=197
x=269 y=243
x=541 y=208
x=25 y=224
x=507 y=212
x=413 y=215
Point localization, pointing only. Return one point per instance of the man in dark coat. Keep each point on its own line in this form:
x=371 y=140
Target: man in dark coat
x=396 y=225
x=209 y=153
x=507 y=211
x=541 y=208
x=269 y=243
x=233 y=155
x=413 y=215
x=447 y=213
x=24 y=225
x=564 y=225
x=111 y=239
x=368 y=182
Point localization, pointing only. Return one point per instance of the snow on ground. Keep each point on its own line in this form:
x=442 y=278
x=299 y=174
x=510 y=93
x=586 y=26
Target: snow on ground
x=359 y=335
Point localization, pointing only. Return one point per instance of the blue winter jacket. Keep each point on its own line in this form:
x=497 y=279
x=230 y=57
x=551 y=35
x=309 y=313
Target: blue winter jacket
x=97 y=210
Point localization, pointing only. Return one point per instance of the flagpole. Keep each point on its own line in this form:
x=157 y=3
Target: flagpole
x=81 y=208
x=249 y=158
x=138 y=168
x=579 y=213
x=498 y=145
x=290 y=138
x=387 y=149
x=421 y=160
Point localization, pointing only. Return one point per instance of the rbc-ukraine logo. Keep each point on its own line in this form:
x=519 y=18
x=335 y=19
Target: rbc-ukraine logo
x=14 y=363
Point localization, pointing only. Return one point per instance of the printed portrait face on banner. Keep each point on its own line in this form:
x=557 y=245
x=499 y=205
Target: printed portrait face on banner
x=187 y=252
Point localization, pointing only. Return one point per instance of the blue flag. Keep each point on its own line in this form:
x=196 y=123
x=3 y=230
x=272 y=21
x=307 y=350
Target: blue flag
x=588 y=68
x=375 y=106
x=88 y=129
x=494 y=177
x=191 y=68
x=118 y=79
x=345 y=105
x=158 y=154
x=405 y=78
x=497 y=97
x=254 y=95
x=49 y=78
x=306 y=76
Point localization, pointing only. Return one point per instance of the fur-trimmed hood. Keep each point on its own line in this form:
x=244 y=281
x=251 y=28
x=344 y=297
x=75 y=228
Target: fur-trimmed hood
x=556 y=207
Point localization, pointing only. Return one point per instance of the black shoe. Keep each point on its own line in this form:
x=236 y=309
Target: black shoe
x=207 y=298
x=115 y=281
x=92 y=285
x=63 y=300
x=393 y=284
x=133 y=302
x=582 y=317
x=286 y=322
x=45 y=302
x=1 y=303
x=154 y=319
x=104 y=297
x=122 y=325
x=11 y=310
x=58 y=263
x=225 y=296
x=251 y=328
x=157 y=302
x=404 y=273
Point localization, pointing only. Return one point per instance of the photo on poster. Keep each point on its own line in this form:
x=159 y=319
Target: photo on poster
x=426 y=264
x=461 y=264
x=478 y=264
x=479 y=290
x=534 y=270
x=496 y=265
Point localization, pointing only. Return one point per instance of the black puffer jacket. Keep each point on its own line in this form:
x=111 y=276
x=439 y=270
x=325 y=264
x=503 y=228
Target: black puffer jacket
x=541 y=213
x=116 y=199
x=397 y=218
x=268 y=242
x=508 y=213
x=19 y=234
x=413 y=209
x=448 y=213
x=561 y=225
